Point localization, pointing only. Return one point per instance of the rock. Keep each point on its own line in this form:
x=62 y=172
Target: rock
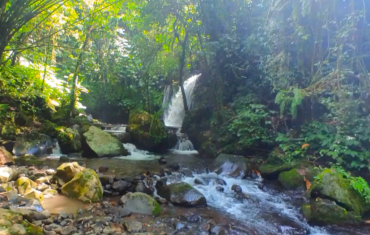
x=199 y=181
x=50 y=192
x=66 y=172
x=218 y=230
x=162 y=161
x=142 y=188
x=103 y=144
x=25 y=185
x=145 y=135
x=7 y=174
x=121 y=186
x=220 y=182
x=68 y=230
x=69 y=140
x=42 y=187
x=5 y=157
x=17 y=229
x=331 y=184
x=33 y=144
x=106 y=179
x=124 y=137
x=140 y=203
x=43 y=180
x=103 y=169
x=64 y=159
x=326 y=212
x=133 y=226
x=84 y=186
x=220 y=188
x=34 y=194
x=236 y=188
x=50 y=171
x=291 y=179
x=31 y=215
x=269 y=171
x=182 y=194
x=231 y=165
x=174 y=166
x=10 y=216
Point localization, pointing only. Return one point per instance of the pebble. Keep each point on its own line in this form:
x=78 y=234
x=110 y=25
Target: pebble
x=50 y=172
x=68 y=230
x=133 y=226
x=18 y=229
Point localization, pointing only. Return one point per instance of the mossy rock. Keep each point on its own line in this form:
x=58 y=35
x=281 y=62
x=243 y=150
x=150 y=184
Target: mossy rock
x=34 y=194
x=148 y=132
x=10 y=216
x=182 y=194
x=69 y=140
x=332 y=185
x=67 y=172
x=269 y=171
x=326 y=212
x=291 y=179
x=27 y=160
x=25 y=185
x=5 y=157
x=104 y=144
x=140 y=203
x=85 y=186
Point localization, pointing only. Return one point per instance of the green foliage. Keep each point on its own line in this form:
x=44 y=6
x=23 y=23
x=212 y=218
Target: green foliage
x=293 y=98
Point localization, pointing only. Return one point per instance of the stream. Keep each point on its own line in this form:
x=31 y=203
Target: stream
x=268 y=210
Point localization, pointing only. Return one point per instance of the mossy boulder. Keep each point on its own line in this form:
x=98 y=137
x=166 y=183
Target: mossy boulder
x=34 y=144
x=231 y=165
x=5 y=157
x=66 y=172
x=85 y=186
x=291 y=179
x=270 y=171
x=332 y=185
x=69 y=140
x=326 y=212
x=25 y=185
x=11 y=217
x=103 y=144
x=140 y=203
x=182 y=194
x=148 y=132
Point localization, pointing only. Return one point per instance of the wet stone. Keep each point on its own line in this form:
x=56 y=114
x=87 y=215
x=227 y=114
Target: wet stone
x=133 y=226
x=236 y=188
x=121 y=186
x=220 y=188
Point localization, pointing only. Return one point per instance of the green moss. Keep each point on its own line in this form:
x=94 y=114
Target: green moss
x=32 y=229
x=69 y=140
x=49 y=128
x=291 y=179
x=181 y=188
x=272 y=171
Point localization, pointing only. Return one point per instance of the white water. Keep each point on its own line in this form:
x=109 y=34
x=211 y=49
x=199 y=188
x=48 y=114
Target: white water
x=57 y=153
x=271 y=214
x=176 y=112
x=137 y=154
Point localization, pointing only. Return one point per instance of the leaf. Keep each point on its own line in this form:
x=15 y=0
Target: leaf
x=308 y=183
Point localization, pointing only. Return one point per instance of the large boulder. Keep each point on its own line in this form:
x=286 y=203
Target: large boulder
x=332 y=185
x=7 y=174
x=231 y=165
x=33 y=144
x=272 y=171
x=103 y=144
x=10 y=216
x=85 y=186
x=291 y=179
x=140 y=203
x=69 y=140
x=182 y=194
x=326 y=212
x=66 y=172
x=148 y=132
x=5 y=157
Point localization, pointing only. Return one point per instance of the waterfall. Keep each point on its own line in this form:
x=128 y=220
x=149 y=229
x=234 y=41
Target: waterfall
x=174 y=115
x=176 y=112
x=167 y=98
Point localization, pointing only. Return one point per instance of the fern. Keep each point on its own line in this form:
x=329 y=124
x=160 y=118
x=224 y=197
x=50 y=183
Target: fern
x=294 y=98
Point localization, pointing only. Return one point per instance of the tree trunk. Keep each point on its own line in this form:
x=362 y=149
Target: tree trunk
x=75 y=74
x=181 y=73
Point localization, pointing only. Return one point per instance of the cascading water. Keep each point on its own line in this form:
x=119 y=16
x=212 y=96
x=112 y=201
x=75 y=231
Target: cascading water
x=174 y=115
x=167 y=98
x=176 y=111
x=269 y=212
